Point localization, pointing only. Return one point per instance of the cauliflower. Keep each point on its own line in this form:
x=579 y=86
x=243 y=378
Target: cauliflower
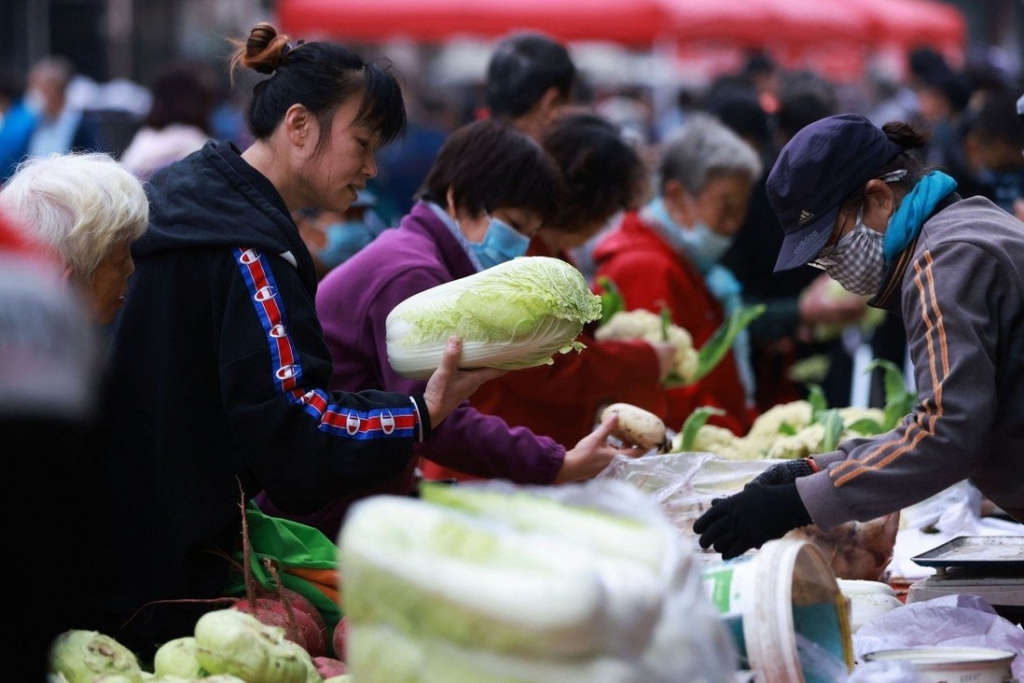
x=648 y=326
x=796 y=414
x=805 y=442
x=852 y=415
x=718 y=440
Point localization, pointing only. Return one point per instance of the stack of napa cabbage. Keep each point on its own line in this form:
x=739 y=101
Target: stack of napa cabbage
x=490 y=583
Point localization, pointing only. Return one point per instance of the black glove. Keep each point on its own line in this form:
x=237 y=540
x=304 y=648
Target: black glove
x=785 y=472
x=758 y=513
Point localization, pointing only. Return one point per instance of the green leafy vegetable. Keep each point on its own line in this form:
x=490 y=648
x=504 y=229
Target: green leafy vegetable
x=514 y=315
x=719 y=343
x=611 y=298
x=694 y=422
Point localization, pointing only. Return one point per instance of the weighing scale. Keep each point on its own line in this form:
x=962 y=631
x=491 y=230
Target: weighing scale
x=991 y=567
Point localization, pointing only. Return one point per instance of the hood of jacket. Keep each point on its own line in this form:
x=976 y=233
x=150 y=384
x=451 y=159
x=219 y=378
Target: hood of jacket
x=206 y=201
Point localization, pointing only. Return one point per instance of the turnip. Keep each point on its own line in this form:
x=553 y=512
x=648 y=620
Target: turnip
x=338 y=640
x=82 y=656
x=328 y=667
x=299 y=626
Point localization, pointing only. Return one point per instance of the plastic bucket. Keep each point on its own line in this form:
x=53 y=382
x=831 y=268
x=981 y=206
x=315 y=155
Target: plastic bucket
x=953 y=664
x=785 y=611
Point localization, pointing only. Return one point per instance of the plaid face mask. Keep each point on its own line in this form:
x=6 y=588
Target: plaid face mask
x=858 y=260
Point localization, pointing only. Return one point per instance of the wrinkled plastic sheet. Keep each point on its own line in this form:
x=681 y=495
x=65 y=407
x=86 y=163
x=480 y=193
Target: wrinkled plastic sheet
x=959 y=620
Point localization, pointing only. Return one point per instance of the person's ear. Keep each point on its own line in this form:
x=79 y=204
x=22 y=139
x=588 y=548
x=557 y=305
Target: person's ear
x=299 y=125
x=879 y=197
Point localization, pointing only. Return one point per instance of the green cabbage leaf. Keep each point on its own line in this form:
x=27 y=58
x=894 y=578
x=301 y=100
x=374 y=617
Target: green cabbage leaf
x=518 y=314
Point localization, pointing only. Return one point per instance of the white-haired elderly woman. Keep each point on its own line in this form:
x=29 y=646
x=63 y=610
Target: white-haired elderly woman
x=666 y=255
x=87 y=209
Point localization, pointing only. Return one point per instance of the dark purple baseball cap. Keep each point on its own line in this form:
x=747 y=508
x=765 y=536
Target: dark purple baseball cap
x=823 y=164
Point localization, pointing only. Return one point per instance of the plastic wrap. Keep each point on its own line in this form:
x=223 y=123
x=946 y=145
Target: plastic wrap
x=648 y=619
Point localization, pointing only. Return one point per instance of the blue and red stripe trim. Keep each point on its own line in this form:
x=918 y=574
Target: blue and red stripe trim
x=287 y=368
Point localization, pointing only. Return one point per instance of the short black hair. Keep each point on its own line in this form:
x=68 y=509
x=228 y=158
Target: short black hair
x=523 y=67
x=602 y=173
x=488 y=165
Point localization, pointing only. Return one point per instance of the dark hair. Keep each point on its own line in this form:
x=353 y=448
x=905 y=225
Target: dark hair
x=523 y=67
x=182 y=93
x=909 y=138
x=996 y=119
x=602 y=173
x=487 y=166
x=321 y=76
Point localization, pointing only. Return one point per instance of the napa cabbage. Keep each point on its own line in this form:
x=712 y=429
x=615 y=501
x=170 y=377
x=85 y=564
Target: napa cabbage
x=517 y=314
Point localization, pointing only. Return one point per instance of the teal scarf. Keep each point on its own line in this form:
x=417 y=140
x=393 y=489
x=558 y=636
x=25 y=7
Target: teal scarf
x=914 y=210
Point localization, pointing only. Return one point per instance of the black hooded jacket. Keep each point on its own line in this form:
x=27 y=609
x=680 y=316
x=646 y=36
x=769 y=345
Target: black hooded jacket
x=215 y=389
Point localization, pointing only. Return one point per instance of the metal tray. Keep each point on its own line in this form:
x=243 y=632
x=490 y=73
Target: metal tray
x=1002 y=552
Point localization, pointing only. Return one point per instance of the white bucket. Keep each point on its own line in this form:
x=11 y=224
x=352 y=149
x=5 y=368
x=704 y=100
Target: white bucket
x=953 y=664
x=787 y=587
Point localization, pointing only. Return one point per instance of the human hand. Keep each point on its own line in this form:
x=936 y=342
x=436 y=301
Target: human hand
x=746 y=520
x=825 y=302
x=786 y=472
x=1018 y=209
x=593 y=453
x=449 y=386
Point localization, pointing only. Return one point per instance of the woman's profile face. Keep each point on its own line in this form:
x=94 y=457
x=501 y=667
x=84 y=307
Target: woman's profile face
x=109 y=284
x=339 y=167
x=723 y=202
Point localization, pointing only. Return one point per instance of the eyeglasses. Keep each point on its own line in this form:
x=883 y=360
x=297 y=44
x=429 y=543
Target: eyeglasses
x=823 y=261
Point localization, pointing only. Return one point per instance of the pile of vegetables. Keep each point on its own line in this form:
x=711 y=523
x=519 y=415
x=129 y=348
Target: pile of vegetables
x=229 y=646
x=799 y=428
x=690 y=365
x=514 y=315
x=490 y=583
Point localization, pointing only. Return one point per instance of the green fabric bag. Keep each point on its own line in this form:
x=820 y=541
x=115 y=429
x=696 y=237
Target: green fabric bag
x=305 y=561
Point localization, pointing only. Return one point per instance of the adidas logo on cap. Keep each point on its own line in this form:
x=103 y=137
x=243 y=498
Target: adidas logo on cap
x=805 y=217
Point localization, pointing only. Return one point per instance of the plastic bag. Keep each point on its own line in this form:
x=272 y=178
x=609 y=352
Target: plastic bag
x=959 y=620
x=304 y=560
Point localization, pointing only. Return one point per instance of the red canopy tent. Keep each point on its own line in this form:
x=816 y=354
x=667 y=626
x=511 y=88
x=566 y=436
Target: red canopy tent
x=625 y=21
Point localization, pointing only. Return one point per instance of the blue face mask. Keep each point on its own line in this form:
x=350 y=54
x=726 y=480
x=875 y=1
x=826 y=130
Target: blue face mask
x=501 y=243
x=343 y=240
x=702 y=244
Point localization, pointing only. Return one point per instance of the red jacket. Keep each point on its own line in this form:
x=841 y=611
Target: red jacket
x=650 y=275
x=562 y=400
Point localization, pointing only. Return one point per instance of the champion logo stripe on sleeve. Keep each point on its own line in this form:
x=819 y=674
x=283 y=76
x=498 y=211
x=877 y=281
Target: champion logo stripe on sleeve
x=938 y=367
x=259 y=280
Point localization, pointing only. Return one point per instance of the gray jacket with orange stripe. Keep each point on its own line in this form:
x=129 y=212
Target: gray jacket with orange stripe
x=959 y=288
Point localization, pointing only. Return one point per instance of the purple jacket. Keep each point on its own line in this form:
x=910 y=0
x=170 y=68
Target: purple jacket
x=353 y=302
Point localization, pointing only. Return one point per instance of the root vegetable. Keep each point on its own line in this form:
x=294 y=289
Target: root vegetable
x=638 y=427
x=329 y=667
x=230 y=641
x=178 y=658
x=299 y=626
x=339 y=638
x=81 y=656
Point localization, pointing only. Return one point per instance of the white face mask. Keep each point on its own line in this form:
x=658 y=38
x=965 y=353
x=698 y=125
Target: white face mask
x=857 y=262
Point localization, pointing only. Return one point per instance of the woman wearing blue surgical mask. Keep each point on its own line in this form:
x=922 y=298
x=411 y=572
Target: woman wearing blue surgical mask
x=604 y=175
x=666 y=256
x=489 y=190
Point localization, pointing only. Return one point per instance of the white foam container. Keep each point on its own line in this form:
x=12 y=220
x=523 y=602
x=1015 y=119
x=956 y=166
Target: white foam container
x=937 y=664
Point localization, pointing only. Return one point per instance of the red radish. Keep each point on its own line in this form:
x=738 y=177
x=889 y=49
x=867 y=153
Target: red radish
x=297 y=601
x=298 y=625
x=339 y=638
x=329 y=667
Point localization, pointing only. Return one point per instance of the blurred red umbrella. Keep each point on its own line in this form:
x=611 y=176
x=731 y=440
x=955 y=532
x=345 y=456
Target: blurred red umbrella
x=912 y=23
x=624 y=21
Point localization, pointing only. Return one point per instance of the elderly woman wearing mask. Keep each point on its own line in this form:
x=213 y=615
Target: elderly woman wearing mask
x=87 y=209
